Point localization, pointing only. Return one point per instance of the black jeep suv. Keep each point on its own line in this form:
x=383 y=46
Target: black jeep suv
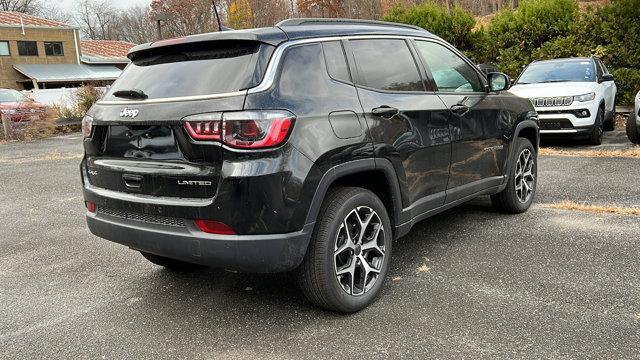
x=309 y=146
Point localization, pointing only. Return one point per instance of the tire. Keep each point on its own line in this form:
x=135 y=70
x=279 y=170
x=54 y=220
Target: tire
x=517 y=199
x=171 y=264
x=598 y=131
x=610 y=125
x=330 y=251
x=632 y=129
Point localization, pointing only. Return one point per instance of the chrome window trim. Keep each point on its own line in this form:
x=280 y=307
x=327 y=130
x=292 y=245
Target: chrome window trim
x=276 y=59
x=173 y=99
x=272 y=69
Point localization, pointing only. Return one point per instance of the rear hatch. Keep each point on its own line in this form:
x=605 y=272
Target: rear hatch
x=138 y=142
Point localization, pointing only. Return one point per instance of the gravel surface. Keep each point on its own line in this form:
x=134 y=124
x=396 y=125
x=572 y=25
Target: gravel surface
x=468 y=283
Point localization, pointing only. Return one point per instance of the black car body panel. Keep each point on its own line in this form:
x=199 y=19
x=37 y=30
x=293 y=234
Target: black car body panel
x=150 y=179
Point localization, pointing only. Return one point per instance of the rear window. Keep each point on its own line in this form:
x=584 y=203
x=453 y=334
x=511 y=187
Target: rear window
x=204 y=68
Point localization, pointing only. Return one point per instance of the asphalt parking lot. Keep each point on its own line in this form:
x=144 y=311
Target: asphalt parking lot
x=469 y=283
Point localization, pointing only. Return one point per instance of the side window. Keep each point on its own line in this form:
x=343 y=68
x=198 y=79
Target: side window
x=336 y=62
x=449 y=71
x=303 y=73
x=386 y=64
x=599 y=70
x=602 y=67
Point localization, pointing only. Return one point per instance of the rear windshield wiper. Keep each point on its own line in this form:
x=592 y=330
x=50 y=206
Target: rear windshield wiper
x=130 y=94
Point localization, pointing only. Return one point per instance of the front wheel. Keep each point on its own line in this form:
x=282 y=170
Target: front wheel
x=598 y=131
x=348 y=256
x=517 y=197
x=610 y=125
x=632 y=130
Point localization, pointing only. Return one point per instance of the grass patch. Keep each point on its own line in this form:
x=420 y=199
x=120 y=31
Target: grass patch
x=599 y=209
x=633 y=152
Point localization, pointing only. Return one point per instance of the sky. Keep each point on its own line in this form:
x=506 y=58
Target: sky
x=69 y=5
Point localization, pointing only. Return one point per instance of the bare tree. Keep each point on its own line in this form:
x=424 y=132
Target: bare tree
x=23 y=6
x=185 y=17
x=269 y=12
x=97 y=19
x=135 y=25
x=54 y=12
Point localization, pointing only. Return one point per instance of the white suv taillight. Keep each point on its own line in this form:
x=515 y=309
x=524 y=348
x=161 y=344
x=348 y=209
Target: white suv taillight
x=87 y=126
x=243 y=130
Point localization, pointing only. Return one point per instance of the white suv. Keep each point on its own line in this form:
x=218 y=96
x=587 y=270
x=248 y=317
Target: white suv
x=633 y=122
x=574 y=97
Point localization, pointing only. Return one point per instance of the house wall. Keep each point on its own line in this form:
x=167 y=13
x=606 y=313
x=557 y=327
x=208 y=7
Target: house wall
x=9 y=76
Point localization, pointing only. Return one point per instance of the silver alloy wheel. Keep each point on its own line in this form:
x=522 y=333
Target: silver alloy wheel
x=359 y=250
x=524 y=176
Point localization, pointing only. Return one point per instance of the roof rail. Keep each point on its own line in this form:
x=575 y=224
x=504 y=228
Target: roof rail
x=333 y=21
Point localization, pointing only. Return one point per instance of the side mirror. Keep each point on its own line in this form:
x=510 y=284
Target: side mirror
x=498 y=82
x=607 y=77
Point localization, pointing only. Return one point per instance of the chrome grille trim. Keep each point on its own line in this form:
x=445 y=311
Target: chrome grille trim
x=552 y=101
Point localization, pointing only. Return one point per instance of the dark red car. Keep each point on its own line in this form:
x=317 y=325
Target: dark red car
x=20 y=107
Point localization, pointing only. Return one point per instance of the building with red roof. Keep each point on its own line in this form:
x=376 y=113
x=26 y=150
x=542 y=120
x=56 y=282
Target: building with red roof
x=40 y=53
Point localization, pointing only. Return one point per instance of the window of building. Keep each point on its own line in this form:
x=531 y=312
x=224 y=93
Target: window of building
x=53 y=48
x=4 y=48
x=27 y=48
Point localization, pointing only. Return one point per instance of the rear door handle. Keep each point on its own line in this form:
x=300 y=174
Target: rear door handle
x=460 y=109
x=385 y=111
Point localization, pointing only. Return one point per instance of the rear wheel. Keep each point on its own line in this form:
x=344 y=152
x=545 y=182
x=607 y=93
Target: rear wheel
x=348 y=256
x=171 y=264
x=518 y=196
x=632 y=130
x=598 y=131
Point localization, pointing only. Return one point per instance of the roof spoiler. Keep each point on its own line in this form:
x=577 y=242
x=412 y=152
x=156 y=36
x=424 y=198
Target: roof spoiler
x=271 y=36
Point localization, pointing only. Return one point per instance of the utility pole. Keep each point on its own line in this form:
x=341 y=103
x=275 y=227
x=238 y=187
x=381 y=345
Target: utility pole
x=215 y=9
x=159 y=29
x=159 y=18
x=293 y=11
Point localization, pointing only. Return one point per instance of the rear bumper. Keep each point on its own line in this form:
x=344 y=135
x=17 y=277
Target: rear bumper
x=269 y=253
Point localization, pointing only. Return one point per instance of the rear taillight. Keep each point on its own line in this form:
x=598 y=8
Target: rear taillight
x=214 y=227
x=243 y=130
x=87 y=126
x=204 y=127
